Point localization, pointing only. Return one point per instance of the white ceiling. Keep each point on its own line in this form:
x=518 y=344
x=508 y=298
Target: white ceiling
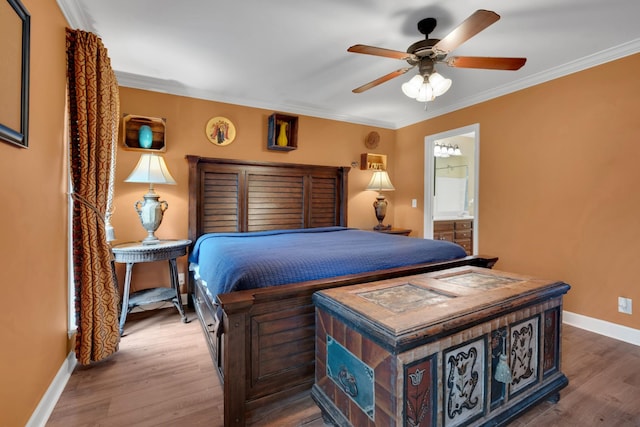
x=291 y=55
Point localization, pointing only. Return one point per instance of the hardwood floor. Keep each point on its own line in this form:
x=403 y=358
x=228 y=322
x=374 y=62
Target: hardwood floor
x=163 y=376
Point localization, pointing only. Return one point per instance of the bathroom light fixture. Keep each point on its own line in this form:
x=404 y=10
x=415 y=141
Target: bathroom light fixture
x=442 y=150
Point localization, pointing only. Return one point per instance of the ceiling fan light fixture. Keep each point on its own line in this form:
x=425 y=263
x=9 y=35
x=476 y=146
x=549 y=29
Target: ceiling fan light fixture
x=425 y=94
x=426 y=53
x=439 y=83
x=412 y=87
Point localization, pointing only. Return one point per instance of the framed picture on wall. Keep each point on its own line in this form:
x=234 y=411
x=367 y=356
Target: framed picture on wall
x=15 y=22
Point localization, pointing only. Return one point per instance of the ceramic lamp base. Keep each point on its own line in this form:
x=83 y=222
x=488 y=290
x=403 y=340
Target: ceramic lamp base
x=380 y=206
x=151 y=210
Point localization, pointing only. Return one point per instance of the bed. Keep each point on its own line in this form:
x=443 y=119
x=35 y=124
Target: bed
x=259 y=324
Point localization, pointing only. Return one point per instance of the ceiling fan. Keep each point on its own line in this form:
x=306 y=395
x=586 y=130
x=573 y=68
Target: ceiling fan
x=426 y=53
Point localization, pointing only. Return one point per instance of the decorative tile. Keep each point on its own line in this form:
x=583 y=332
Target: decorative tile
x=464 y=383
x=524 y=354
x=405 y=297
x=420 y=393
x=479 y=280
x=354 y=377
x=551 y=344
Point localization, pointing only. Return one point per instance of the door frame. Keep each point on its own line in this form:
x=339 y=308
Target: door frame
x=429 y=177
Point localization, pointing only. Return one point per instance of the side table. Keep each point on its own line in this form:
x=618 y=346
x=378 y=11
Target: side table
x=135 y=252
x=402 y=231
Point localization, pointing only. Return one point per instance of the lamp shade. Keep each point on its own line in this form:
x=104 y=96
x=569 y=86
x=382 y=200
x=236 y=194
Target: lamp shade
x=425 y=93
x=412 y=87
x=380 y=182
x=151 y=169
x=440 y=84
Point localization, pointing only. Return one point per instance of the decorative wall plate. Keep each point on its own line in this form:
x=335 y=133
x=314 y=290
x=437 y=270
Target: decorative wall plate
x=372 y=139
x=220 y=131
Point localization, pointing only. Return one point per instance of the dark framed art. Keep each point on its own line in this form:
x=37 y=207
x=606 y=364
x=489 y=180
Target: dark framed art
x=15 y=26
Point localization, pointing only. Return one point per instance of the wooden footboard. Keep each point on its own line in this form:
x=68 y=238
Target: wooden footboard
x=263 y=342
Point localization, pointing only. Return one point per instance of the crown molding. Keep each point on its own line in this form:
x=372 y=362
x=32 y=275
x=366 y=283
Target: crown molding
x=75 y=15
x=174 y=87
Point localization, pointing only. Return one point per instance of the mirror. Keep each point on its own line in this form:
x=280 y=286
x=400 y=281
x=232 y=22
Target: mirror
x=14 y=72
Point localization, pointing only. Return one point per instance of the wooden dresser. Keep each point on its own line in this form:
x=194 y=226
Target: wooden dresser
x=459 y=231
x=459 y=347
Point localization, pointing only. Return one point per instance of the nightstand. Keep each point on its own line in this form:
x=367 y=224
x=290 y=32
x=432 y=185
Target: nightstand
x=133 y=253
x=402 y=231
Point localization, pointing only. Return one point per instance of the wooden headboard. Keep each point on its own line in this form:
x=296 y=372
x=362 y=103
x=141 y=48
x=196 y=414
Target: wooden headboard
x=239 y=196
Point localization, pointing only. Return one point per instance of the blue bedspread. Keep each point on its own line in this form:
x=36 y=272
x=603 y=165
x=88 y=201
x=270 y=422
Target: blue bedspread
x=236 y=261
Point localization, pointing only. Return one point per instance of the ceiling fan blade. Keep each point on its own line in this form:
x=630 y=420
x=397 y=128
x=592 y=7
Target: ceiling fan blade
x=379 y=51
x=491 y=63
x=475 y=23
x=381 y=80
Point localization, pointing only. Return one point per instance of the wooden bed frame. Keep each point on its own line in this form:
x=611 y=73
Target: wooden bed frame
x=262 y=340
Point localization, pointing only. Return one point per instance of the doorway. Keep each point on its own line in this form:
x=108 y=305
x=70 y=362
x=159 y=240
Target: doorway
x=451 y=179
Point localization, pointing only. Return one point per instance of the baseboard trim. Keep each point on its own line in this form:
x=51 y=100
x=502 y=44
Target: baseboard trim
x=602 y=327
x=48 y=402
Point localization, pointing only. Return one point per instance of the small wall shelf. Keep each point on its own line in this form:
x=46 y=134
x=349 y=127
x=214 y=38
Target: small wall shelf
x=375 y=162
x=131 y=126
x=274 y=129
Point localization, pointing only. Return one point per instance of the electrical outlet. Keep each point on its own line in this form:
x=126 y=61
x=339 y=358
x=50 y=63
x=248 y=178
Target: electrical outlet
x=625 y=305
x=181 y=278
x=414 y=203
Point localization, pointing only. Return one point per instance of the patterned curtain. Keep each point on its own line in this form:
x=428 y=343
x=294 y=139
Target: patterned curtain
x=94 y=110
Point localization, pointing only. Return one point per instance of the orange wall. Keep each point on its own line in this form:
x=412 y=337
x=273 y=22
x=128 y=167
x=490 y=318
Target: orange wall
x=320 y=141
x=558 y=176
x=33 y=224
x=556 y=199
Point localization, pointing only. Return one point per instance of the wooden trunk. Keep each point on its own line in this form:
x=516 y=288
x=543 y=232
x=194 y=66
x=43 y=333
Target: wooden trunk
x=459 y=347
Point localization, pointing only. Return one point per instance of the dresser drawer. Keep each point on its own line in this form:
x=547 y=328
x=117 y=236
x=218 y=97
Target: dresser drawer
x=463 y=224
x=466 y=244
x=463 y=234
x=443 y=235
x=443 y=226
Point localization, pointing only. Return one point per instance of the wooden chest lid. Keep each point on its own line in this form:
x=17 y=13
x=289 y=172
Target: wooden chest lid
x=406 y=308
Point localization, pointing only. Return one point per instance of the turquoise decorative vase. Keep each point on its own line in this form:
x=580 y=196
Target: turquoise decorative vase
x=145 y=136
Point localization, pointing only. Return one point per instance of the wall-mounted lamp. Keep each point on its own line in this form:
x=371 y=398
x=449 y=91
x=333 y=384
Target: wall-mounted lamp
x=151 y=169
x=380 y=182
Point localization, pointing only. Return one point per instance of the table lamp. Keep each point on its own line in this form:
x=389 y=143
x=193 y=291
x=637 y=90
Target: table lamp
x=151 y=169
x=380 y=182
